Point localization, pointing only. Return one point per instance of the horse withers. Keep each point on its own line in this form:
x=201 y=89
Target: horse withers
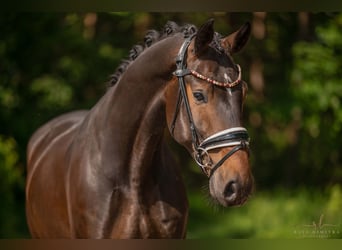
x=108 y=173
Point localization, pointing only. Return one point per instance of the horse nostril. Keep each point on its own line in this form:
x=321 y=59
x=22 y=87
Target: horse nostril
x=231 y=190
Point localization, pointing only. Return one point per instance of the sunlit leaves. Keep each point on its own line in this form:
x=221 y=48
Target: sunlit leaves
x=9 y=173
x=317 y=78
x=53 y=92
x=269 y=215
x=8 y=98
x=10 y=179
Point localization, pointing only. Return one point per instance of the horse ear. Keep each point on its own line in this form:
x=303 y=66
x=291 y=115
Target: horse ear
x=204 y=36
x=237 y=40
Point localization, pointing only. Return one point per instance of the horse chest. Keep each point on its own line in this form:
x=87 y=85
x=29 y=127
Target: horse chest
x=166 y=220
x=143 y=220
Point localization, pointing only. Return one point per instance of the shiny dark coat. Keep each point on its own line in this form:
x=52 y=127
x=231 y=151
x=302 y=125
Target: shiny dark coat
x=107 y=172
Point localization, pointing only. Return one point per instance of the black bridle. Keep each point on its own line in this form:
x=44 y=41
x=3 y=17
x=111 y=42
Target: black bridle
x=236 y=137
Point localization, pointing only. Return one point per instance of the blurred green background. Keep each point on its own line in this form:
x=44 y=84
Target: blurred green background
x=51 y=63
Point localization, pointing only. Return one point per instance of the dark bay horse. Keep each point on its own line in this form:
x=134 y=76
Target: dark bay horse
x=108 y=173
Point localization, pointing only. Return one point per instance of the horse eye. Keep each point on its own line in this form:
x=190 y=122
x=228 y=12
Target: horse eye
x=199 y=96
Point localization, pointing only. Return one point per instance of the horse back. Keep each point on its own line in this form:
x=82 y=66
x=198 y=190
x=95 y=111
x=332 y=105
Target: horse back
x=51 y=132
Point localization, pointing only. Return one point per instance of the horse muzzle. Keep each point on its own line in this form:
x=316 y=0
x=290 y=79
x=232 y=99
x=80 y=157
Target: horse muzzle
x=230 y=182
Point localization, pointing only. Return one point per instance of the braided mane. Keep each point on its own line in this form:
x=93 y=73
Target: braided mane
x=153 y=36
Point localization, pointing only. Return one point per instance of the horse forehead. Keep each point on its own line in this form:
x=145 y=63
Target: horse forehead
x=216 y=63
x=226 y=77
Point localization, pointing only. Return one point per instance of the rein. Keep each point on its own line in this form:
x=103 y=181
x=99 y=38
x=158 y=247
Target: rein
x=236 y=137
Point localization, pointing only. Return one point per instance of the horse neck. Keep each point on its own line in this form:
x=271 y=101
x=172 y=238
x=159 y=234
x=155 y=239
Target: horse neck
x=133 y=126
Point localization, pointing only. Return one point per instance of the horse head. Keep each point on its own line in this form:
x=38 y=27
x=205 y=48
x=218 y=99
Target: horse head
x=207 y=118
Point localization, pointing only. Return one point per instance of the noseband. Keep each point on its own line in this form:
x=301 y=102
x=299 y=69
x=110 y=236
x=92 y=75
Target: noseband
x=236 y=137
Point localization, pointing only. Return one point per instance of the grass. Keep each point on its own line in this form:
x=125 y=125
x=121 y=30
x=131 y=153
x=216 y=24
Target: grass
x=277 y=214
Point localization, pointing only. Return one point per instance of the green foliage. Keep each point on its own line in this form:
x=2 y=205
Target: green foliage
x=52 y=91
x=317 y=88
x=334 y=203
x=317 y=78
x=8 y=162
x=7 y=97
x=11 y=181
x=278 y=214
